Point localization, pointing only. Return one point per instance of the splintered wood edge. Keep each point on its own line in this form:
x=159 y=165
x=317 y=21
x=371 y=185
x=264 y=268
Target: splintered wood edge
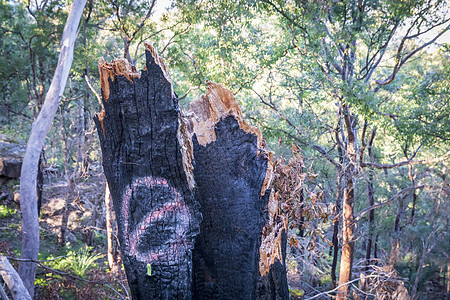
x=205 y=112
x=212 y=107
x=100 y=117
x=271 y=242
x=122 y=67
x=118 y=67
x=159 y=61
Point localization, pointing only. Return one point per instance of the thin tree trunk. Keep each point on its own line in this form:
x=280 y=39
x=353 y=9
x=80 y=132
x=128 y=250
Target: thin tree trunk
x=81 y=135
x=112 y=259
x=448 y=270
x=28 y=182
x=339 y=197
x=12 y=280
x=395 y=242
x=419 y=272
x=448 y=281
x=336 y=232
x=40 y=182
x=348 y=226
x=371 y=198
x=70 y=192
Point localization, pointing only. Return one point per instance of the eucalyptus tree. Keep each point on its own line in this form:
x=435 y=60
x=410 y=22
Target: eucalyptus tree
x=30 y=220
x=312 y=58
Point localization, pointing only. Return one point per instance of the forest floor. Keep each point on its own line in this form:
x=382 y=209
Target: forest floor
x=82 y=256
x=84 y=252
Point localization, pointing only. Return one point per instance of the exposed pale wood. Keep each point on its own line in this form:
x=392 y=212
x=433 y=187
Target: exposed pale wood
x=12 y=280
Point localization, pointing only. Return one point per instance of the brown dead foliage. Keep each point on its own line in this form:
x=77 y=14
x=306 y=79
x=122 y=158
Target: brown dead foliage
x=303 y=208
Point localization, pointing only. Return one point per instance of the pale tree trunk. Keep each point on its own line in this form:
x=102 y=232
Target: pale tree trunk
x=28 y=193
x=348 y=226
x=112 y=255
x=12 y=280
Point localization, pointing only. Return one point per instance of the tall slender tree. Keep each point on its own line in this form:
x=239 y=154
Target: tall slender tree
x=30 y=220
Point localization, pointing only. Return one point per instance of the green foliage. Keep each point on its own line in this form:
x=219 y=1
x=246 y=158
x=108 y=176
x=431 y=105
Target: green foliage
x=296 y=293
x=6 y=212
x=281 y=59
x=77 y=263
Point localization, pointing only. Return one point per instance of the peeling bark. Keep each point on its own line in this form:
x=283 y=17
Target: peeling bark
x=189 y=190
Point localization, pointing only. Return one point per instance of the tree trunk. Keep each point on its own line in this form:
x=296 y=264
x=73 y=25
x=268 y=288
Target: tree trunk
x=40 y=182
x=148 y=156
x=112 y=258
x=371 y=198
x=12 y=280
x=419 y=272
x=448 y=281
x=28 y=182
x=81 y=136
x=395 y=241
x=348 y=226
x=336 y=232
x=339 y=197
x=70 y=190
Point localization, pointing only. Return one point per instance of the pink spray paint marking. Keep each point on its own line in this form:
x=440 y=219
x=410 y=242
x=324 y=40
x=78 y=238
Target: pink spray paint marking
x=177 y=205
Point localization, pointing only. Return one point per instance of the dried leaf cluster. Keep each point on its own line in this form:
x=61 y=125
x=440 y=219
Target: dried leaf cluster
x=304 y=208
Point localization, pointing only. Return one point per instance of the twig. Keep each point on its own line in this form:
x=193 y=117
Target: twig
x=88 y=82
x=365 y=210
x=335 y=289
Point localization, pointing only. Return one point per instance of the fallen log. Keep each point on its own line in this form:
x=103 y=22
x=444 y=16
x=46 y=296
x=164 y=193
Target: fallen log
x=13 y=280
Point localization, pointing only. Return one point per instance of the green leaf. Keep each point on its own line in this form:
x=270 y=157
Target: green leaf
x=149 y=269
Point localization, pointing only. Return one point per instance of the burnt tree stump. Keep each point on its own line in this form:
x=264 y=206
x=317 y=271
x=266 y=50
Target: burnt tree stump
x=190 y=190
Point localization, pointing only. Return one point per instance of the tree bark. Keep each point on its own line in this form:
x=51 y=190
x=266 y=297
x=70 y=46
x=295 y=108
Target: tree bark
x=12 y=280
x=70 y=190
x=336 y=231
x=395 y=241
x=371 y=198
x=160 y=195
x=40 y=182
x=348 y=226
x=28 y=193
x=448 y=281
x=230 y=171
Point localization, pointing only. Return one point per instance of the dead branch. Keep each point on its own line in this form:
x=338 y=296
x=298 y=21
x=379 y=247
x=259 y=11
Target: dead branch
x=400 y=62
x=419 y=187
x=406 y=162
